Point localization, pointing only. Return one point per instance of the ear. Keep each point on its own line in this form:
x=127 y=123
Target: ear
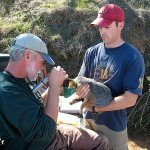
x=121 y=25
x=27 y=54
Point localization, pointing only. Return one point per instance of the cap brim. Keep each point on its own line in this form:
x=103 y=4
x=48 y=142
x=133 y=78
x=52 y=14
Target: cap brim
x=47 y=58
x=101 y=22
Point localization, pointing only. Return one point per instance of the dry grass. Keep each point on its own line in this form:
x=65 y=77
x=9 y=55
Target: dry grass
x=139 y=117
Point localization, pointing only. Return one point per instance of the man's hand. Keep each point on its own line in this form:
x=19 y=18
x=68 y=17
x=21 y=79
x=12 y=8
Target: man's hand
x=82 y=91
x=57 y=76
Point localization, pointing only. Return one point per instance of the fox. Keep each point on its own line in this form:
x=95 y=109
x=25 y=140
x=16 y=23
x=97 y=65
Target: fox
x=99 y=94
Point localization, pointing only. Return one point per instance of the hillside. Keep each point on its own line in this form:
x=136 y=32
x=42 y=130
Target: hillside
x=64 y=26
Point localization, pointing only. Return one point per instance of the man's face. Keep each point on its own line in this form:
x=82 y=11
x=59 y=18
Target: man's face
x=111 y=34
x=34 y=65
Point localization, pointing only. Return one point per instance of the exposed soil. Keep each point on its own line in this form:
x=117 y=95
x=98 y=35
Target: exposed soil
x=139 y=143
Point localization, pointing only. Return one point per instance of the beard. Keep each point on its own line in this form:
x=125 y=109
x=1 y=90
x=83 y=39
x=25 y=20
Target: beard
x=31 y=71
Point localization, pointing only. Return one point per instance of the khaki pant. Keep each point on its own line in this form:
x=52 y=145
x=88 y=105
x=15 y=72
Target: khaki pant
x=117 y=140
x=72 y=138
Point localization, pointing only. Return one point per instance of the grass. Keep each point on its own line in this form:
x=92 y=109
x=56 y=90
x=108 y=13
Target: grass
x=139 y=4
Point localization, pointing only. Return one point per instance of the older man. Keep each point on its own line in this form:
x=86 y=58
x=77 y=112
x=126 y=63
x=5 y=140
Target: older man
x=25 y=122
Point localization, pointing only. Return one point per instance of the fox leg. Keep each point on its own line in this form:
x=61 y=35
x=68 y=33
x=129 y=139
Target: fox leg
x=75 y=101
x=85 y=102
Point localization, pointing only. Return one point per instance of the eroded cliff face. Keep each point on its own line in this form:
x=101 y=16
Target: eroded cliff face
x=69 y=47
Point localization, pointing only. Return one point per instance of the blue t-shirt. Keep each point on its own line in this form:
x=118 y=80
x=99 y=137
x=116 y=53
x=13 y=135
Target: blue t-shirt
x=121 y=69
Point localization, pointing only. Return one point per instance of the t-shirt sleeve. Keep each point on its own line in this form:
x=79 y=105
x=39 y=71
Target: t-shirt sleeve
x=85 y=67
x=134 y=75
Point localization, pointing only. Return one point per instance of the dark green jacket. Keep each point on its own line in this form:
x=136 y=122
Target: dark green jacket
x=23 y=123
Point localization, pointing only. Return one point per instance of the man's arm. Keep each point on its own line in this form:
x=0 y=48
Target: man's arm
x=44 y=95
x=56 y=79
x=125 y=100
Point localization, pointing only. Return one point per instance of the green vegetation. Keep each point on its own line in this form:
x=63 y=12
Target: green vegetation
x=139 y=4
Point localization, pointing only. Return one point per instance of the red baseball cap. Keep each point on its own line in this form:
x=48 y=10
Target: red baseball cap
x=107 y=14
